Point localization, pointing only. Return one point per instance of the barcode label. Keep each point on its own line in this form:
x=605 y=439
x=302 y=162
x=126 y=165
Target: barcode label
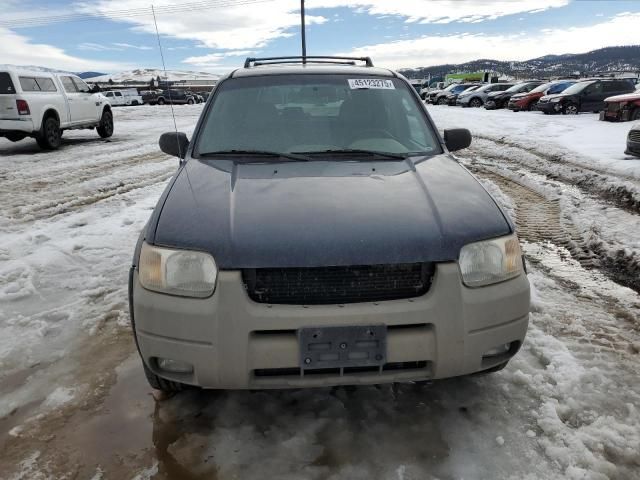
x=379 y=83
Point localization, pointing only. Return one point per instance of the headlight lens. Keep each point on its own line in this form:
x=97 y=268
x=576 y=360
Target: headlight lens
x=555 y=100
x=177 y=272
x=490 y=261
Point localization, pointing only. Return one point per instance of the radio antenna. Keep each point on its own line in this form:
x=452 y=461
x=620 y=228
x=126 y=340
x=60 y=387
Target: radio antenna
x=164 y=68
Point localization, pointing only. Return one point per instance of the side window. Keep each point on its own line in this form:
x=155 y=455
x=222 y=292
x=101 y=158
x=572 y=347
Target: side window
x=46 y=84
x=593 y=89
x=80 y=85
x=68 y=85
x=29 y=84
x=110 y=94
x=502 y=88
x=6 y=85
x=118 y=94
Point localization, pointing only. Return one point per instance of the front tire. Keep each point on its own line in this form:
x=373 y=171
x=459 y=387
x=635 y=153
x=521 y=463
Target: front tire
x=635 y=115
x=570 y=109
x=161 y=101
x=160 y=383
x=442 y=101
x=475 y=103
x=49 y=137
x=105 y=129
x=190 y=101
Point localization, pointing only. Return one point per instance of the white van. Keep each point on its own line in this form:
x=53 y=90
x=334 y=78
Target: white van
x=123 y=97
x=43 y=104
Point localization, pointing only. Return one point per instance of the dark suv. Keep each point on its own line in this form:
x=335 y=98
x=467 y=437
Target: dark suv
x=310 y=238
x=585 y=96
x=501 y=99
x=176 y=97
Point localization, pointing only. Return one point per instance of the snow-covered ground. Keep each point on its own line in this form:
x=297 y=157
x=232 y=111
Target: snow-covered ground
x=145 y=74
x=74 y=402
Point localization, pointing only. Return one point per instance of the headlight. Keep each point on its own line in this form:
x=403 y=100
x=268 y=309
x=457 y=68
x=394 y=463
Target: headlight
x=490 y=261
x=555 y=100
x=177 y=272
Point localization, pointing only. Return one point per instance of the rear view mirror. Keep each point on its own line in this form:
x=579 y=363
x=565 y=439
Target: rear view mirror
x=174 y=143
x=457 y=138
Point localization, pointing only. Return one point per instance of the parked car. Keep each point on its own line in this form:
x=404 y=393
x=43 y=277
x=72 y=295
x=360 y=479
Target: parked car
x=426 y=89
x=177 y=97
x=633 y=141
x=501 y=99
x=528 y=101
x=150 y=96
x=42 y=105
x=622 y=108
x=477 y=97
x=584 y=96
x=453 y=97
x=325 y=248
x=456 y=88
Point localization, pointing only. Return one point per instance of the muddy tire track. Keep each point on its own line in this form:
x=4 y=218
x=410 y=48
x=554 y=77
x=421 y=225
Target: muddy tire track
x=590 y=180
x=539 y=219
x=43 y=197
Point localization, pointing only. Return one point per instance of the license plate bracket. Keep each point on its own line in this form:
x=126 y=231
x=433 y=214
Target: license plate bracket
x=342 y=347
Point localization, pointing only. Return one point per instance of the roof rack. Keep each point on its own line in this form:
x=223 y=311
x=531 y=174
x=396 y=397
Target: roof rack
x=308 y=59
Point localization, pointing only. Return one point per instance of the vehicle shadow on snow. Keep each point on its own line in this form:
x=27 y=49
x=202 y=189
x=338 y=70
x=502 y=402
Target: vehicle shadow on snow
x=28 y=146
x=352 y=431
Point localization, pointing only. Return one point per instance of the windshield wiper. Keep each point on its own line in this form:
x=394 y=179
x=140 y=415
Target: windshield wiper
x=355 y=151
x=289 y=157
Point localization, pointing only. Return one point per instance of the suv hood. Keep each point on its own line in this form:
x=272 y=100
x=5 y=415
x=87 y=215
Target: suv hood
x=518 y=96
x=326 y=213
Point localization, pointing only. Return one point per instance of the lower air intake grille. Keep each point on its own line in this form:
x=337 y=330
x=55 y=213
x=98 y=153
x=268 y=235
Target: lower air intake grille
x=337 y=285
x=634 y=135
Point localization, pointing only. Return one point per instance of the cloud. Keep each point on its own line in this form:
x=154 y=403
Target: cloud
x=96 y=47
x=443 y=11
x=231 y=27
x=215 y=59
x=435 y=50
x=256 y=24
x=18 y=49
x=135 y=47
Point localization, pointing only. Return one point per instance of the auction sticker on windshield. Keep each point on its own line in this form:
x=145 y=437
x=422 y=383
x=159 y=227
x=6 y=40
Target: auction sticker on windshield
x=371 y=83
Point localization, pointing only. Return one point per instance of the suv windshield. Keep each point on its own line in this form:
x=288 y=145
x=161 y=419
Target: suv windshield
x=516 y=88
x=541 y=88
x=315 y=114
x=577 y=88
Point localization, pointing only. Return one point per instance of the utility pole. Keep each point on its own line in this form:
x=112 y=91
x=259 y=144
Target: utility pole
x=304 y=38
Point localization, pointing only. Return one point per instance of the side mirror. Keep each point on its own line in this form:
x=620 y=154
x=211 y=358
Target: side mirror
x=174 y=143
x=94 y=89
x=457 y=138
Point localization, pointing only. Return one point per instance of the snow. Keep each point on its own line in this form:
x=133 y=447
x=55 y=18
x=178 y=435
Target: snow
x=580 y=139
x=146 y=74
x=566 y=407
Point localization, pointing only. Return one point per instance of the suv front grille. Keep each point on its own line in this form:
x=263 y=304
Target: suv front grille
x=337 y=285
x=634 y=136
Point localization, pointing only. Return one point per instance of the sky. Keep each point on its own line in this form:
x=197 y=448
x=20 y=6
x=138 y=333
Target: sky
x=216 y=35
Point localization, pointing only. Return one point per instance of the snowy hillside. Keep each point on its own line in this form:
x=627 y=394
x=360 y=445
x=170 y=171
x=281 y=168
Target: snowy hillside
x=146 y=74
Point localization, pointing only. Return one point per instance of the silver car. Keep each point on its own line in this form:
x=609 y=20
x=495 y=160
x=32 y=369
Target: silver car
x=477 y=97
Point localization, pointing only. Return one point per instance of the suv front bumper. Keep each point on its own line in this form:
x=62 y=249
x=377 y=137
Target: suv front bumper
x=235 y=343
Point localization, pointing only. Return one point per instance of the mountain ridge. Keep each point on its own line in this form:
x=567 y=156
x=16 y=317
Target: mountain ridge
x=608 y=59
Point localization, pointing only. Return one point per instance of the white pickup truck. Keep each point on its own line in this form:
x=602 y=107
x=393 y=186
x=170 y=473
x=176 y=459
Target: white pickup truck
x=43 y=104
